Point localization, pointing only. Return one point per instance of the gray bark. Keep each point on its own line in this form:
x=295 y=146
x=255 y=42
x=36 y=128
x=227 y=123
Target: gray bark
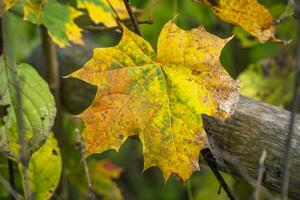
x=240 y=140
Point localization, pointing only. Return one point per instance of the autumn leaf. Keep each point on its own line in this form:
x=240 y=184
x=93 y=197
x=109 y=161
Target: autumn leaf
x=45 y=167
x=104 y=172
x=57 y=18
x=249 y=14
x=38 y=109
x=160 y=97
x=5 y=5
x=100 y=11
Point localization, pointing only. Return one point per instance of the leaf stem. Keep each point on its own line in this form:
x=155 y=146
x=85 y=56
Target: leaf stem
x=132 y=17
x=10 y=64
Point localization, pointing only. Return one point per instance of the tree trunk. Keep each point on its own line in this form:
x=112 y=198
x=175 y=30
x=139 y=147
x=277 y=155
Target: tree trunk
x=240 y=140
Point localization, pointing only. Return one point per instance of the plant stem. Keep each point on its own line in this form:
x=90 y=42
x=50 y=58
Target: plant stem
x=103 y=28
x=11 y=175
x=261 y=173
x=132 y=17
x=294 y=108
x=209 y=158
x=3 y=112
x=53 y=79
x=81 y=146
x=11 y=72
x=15 y=195
x=114 y=10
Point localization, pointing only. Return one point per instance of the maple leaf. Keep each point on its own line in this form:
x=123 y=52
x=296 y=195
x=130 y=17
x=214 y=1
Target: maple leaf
x=101 y=12
x=57 y=18
x=249 y=14
x=159 y=97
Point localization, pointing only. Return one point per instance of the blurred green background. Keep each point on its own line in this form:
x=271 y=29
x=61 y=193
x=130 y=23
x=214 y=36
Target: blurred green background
x=266 y=72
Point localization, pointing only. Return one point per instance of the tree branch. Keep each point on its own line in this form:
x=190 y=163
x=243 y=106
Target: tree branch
x=132 y=17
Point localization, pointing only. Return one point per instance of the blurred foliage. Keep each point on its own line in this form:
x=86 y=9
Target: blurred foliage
x=265 y=70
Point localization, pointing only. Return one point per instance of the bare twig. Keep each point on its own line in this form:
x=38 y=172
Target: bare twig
x=10 y=189
x=260 y=174
x=132 y=17
x=209 y=158
x=114 y=10
x=103 y=28
x=9 y=62
x=81 y=146
x=294 y=108
x=244 y=174
x=150 y=9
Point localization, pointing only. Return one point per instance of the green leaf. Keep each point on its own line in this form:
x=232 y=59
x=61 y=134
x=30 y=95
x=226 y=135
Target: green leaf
x=38 y=109
x=269 y=83
x=44 y=169
x=57 y=18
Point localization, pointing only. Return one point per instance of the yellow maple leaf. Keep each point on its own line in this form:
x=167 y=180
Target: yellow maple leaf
x=159 y=97
x=101 y=12
x=249 y=14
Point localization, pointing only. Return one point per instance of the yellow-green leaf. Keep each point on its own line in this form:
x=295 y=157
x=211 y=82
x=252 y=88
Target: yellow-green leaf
x=269 y=83
x=101 y=12
x=159 y=97
x=44 y=169
x=38 y=109
x=57 y=18
x=5 y=5
x=249 y=14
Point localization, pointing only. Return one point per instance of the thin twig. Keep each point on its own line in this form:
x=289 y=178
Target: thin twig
x=260 y=173
x=132 y=17
x=10 y=189
x=209 y=158
x=114 y=10
x=11 y=175
x=294 y=108
x=103 y=28
x=81 y=146
x=10 y=64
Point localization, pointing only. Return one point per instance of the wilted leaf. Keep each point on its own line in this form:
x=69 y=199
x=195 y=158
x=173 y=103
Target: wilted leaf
x=38 y=109
x=160 y=97
x=101 y=12
x=45 y=169
x=57 y=18
x=5 y=5
x=249 y=14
